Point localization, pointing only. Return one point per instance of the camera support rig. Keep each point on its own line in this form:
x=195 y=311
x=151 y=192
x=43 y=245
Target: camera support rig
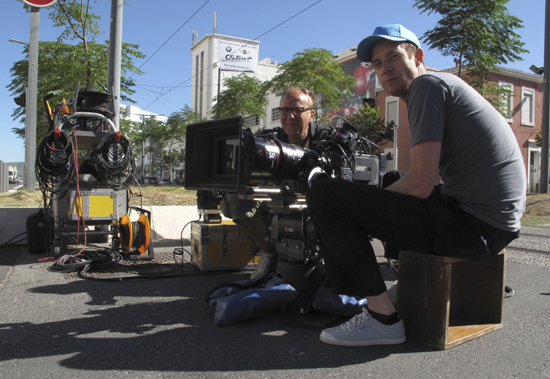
x=224 y=157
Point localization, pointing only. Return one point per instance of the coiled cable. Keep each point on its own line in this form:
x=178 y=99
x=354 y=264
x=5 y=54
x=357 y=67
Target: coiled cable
x=54 y=166
x=115 y=160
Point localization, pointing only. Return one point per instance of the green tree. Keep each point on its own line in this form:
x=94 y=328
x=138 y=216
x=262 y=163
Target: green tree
x=164 y=142
x=244 y=96
x=316 y=70
x=480 y=34
x=175 y=132
x=368 y=121
x=62 y=67
x=153 y=133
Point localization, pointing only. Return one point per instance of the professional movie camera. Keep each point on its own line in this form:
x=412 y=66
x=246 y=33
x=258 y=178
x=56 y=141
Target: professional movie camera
x=224 y=157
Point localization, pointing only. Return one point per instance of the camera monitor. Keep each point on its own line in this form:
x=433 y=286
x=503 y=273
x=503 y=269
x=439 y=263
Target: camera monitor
x=212 y=149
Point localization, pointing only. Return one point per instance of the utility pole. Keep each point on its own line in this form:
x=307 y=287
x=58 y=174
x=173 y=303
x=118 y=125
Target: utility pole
x=115 y=57
x=29 y=179
x=546 y=106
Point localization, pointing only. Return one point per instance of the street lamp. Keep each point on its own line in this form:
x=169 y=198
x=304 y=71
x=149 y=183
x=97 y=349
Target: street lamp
x=17 y=41
x=537 y=69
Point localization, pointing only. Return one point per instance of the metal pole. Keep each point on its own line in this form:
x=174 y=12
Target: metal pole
x=31 y=103
x=546 y=106
x=142 y=148
x=115 y=57
x=142 y=159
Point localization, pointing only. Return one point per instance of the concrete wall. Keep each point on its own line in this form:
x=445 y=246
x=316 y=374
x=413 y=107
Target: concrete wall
x=167 y=222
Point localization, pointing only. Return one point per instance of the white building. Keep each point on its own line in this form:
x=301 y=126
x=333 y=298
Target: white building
x=217 y=57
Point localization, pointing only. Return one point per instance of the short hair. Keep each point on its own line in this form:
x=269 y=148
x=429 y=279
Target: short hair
x=309 y=93
x=411 y=48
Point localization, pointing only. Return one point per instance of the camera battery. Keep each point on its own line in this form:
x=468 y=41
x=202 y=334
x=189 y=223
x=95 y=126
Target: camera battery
x=221 y=247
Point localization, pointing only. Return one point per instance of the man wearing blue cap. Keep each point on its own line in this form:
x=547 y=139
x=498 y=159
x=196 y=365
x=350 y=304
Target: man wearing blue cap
x=456 y=135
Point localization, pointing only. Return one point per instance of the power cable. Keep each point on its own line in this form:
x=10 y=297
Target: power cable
x=169 y=38
x=261 y=35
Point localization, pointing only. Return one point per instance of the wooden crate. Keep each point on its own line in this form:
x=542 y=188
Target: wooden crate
x=447 y=301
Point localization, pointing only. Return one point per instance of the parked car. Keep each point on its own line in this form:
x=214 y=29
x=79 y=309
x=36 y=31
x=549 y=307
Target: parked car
x=151 y=180
x=179 y=182
x=165 y=181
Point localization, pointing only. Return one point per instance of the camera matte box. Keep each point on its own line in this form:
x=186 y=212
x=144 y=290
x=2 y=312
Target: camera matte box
x=221 y=247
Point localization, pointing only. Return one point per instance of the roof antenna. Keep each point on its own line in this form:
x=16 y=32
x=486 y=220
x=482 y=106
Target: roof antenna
x=215 y=22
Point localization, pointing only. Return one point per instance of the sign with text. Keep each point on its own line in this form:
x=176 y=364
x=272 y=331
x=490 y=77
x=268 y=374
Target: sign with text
x=237 y=56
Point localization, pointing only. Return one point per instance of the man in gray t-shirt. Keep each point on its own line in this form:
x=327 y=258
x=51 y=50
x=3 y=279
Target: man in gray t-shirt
x=475 y=139
x=458 y=137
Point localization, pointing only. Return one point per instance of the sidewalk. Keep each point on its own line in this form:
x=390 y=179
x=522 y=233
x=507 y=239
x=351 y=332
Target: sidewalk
x=51 y=326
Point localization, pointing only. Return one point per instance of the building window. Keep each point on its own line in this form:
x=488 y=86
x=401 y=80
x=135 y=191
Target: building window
x=197 y=89
x=275 y=114
x=251 y=121
x=201 y=84
x=506 y=104
x=528 y=106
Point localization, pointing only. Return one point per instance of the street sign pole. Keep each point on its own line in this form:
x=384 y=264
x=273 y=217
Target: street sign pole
x=31 y=108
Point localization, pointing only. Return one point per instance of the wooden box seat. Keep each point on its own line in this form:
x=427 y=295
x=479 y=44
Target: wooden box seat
x=447 y=301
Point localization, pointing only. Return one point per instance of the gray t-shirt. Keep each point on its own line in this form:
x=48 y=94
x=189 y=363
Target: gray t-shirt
x=481 y=164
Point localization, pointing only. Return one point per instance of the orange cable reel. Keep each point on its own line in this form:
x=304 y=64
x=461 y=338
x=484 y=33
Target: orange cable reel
x=135 y=236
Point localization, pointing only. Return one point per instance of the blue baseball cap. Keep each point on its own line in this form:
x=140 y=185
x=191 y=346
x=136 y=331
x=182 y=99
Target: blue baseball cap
x=392 y=32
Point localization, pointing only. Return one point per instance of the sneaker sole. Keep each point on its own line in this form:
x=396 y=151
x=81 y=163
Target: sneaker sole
x=328 y=340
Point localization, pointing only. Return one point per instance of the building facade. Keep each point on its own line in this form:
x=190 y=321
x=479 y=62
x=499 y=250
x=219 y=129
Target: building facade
x=218 y=57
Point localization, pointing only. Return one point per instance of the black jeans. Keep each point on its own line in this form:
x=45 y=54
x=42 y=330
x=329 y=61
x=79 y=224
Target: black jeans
x=345 y=215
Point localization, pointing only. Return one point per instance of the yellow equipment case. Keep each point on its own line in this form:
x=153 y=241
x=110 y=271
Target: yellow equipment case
x=221 y=247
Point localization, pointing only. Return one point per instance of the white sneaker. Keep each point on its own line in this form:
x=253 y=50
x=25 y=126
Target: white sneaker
x=267 y=263
x=363 y=330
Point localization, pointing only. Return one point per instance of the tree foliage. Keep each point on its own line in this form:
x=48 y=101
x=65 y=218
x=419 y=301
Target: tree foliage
x=62 y=67
x=317 y=70
x=163 y=141
x=480 y=34
x=368 y=121
x=244 y=96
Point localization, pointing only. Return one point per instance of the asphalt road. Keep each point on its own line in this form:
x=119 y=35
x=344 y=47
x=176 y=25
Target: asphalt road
x=52 y=325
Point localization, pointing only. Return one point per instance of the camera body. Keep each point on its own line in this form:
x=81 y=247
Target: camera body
x=224 y=157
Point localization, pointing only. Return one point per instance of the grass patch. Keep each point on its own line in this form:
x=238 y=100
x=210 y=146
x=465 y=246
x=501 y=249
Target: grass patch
x=155 y=195
x=149 y=195
x=534 y=221
x=21 y=198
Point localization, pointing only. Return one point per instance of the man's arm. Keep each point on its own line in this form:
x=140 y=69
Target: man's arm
x=421 y=178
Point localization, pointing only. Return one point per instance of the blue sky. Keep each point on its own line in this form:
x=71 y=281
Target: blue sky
x=167 y=26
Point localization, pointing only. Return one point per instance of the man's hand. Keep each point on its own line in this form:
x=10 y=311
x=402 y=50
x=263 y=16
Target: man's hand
x=422 y=176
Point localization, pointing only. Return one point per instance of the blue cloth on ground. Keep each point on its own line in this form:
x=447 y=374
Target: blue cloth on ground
x=248 y=299
x=238 y=301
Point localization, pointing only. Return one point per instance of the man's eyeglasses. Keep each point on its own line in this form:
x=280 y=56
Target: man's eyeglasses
x=295 y=111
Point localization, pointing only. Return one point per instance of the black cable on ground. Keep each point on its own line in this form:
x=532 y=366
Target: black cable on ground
x=9 y=243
